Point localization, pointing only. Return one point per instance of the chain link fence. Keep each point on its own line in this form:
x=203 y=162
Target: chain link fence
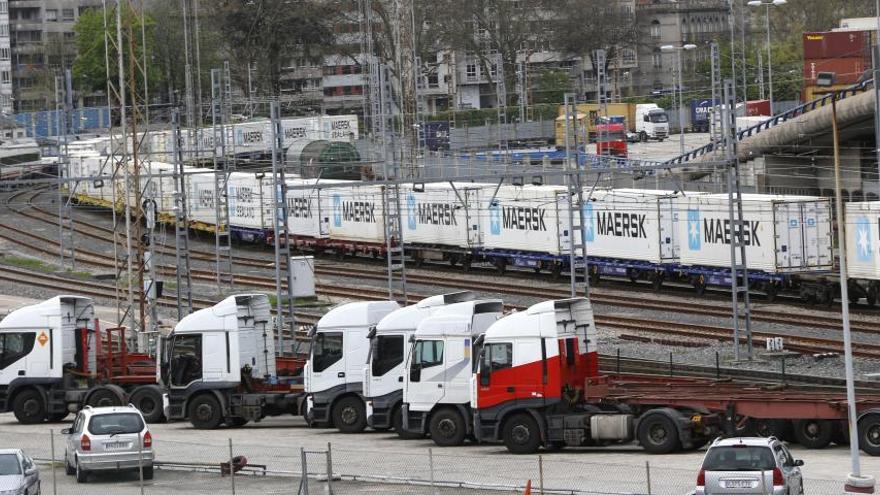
x=260 y=468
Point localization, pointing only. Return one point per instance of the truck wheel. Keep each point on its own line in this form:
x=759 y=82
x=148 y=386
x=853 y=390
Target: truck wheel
x=349 y=415
x=813 y=433
x=779 y=428
x=521 y=434
x=103 y=397
x=869 y=434
x=29 y=407
x=447 y=428
x=397 y=424
x=204 y=412
x=658 y=434
x=148 y=400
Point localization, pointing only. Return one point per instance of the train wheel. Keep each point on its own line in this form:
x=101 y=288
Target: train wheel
x=633 y=274
x=699 y=284
x=657 y=282
x=594 y=275
x=871 y=298
x=500 y=265
x=466 y=264
x=813 y=433
x=772 y=291
x=869 y=434
x=556 y=272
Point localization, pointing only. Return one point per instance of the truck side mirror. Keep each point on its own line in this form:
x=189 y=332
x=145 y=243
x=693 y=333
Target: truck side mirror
x=415 y=373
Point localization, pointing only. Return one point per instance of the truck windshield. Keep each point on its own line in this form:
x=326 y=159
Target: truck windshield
x=326 y=350
x=611 y=136
x=658 y=117
x=115 y=423
x=387 y=353
x=739 y=458
x=186 y=359
x=9 y=465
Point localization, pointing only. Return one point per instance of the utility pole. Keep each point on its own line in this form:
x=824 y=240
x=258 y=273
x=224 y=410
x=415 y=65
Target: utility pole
x=222 y=169
x=64 y=111
x=761 y=74
x=181 y=224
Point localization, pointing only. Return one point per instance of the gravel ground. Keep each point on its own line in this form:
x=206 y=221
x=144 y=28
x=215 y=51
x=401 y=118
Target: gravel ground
x=609 y=342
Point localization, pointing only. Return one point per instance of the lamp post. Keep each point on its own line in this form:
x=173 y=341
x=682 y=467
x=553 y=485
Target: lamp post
x=678 y=50
x=768 y=4
x=855 y=479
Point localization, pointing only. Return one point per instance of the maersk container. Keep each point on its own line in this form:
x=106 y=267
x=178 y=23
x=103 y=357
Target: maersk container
x=863 y=240
x=437 y=214
x=632 y=224
x=251 y=137
x=782 y=234
x=309 y=210
x=531 y=219
x=339 y=128
x=300 y=129
x=357 y=214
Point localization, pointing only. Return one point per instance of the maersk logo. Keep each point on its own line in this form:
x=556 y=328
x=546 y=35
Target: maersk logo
x=590 y=227
x=694 y=240
x=863 y=240
x=337 y=210
x=495 y=218
x=412 y=219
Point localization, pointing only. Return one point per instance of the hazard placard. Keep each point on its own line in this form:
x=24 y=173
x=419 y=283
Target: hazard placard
x=42 y=339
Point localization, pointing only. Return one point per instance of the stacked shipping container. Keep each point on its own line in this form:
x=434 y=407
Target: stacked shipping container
x=846 y=53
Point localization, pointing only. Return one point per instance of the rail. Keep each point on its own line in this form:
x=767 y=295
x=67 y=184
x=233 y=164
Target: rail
x=774 y=121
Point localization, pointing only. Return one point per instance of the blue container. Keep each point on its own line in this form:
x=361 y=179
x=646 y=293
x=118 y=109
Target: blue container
x=436 y=135
x=700 y=114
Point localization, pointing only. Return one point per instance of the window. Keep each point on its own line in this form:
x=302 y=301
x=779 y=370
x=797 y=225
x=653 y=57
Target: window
x=4 y=7
x=433 y=81
x=326 y=351
x=471 y=72
x=14 y=346
x=387 y=353
x=739 y=458
x=4 y=30
x=4 y=77
x=426 y=354
x=657 y=58
x=495 y=357
x=52 y=15
x=655 y=28
x=4 y=53
x=116 y=423
x=9 y=465
x=186 y=359
x=67 y=15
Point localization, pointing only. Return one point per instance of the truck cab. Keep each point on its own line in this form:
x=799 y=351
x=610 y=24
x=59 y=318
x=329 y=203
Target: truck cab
x=611 y=139
x=651 y=122
x=438 y=372
x=334 y=373
x=39 y=344
x=532 y=370
x=389 y=343
x=218 y=365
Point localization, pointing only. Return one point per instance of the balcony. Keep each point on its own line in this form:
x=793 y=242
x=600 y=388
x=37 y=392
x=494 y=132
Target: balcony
x=667 y=7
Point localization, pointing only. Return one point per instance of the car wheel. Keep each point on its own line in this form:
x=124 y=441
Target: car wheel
x=204 y=412
x=81 y=475
x=68 y=469
x=349 y=415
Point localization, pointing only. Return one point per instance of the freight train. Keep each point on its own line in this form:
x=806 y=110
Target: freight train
x=641 y=235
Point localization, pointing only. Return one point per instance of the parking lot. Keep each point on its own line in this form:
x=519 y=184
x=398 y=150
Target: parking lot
x=367 y=461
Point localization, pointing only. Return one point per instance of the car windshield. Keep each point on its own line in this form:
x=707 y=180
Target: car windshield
x=115 y=423
x=9 y=464
x=739 y=458
x=658 y=117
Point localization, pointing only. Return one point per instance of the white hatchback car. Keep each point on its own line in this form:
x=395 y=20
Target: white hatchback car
x=108 y=439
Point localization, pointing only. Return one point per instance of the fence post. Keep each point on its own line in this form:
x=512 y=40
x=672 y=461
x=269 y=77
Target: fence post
x=231 y=467
x=717 y=366
x=52 y=446
x=329 y=469
x=670 y=364
x=141 y=463
x=541 y=474
x=431 y=469
x=648 y=475
x=304 y=478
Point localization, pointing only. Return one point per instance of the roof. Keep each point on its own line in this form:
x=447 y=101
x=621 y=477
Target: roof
x=749 y=441
x=356 y=314
x=544 y=320
x=461 y=318
x=11 y=451
x=34 y=315
x=212 y=318
x=110 y=409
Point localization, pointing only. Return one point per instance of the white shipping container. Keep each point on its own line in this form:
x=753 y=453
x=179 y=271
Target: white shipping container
x=782 y=234
x=301 y=129
x=339 y=128
x=309 y=210
x=249 y=199
x=863 y=240
x=631 y=224
x=527 y=219
x=251 y=137
x=436 y=215
x=357 y=214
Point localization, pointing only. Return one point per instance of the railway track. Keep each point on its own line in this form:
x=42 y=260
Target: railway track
x=655 y=303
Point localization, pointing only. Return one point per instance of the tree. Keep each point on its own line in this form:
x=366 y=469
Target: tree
x=583 y=26
x=90 y=67
x=552 y=86
x=269 y=33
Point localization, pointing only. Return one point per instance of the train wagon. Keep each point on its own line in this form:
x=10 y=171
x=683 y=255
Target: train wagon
x=863 y=250
x=441 y=222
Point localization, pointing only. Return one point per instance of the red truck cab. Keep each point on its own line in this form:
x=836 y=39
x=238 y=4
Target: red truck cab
x=611 y=139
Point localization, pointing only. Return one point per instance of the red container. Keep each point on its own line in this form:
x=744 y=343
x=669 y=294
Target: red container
x=757 y=108
x=848 y=70
x=837 y=44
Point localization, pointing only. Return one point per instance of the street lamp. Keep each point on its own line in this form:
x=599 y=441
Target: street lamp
x=855 y=479
x=768 y=4
x=678 y=50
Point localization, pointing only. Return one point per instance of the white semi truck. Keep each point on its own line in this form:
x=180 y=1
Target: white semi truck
x=218 y=366
x=651 y=122
x=54 y=360
x=437 y=384
x=389 y=345
x=334 y=372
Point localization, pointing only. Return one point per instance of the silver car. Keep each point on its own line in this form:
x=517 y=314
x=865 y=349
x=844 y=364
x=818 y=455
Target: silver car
x=747 y=466
x=18 y=474
x=108 y=439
